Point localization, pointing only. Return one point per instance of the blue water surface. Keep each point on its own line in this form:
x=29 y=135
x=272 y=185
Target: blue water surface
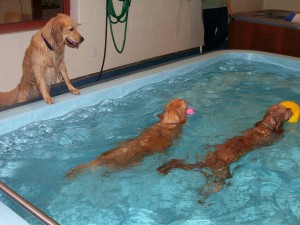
x=228 y=97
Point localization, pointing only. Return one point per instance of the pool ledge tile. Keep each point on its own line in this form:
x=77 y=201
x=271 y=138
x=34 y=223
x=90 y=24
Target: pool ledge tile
x=15 y=118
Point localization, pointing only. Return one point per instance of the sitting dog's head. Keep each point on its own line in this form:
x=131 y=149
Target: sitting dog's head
x=276 y=116
x=64 y=29
x=174 y=112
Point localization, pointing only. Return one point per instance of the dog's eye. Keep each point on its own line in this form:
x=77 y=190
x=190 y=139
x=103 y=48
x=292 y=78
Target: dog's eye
x=71 y=29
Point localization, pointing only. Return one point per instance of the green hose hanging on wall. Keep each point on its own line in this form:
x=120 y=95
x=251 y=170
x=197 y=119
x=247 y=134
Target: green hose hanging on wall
x=121 y=18
x=114 y=19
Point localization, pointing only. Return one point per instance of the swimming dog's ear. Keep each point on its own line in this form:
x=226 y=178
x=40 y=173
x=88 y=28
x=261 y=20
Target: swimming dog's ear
x=160 y=115
x=182 y=118
x=281 y=118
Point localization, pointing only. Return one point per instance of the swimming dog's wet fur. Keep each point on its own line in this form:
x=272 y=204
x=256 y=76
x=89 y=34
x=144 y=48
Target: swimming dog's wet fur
x=156 y=139
x=265 y=132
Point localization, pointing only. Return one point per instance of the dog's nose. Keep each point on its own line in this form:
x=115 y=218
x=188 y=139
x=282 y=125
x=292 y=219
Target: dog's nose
x=81 y=39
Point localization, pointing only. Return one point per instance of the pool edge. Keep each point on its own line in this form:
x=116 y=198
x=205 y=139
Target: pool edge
x=44 y=111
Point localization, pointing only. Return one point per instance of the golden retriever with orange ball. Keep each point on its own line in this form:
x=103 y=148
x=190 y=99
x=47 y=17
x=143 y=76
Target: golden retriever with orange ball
x=265 y=132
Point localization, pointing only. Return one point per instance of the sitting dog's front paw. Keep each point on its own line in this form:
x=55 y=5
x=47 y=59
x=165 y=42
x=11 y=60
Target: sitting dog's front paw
x=75 y=91
x=49 y=100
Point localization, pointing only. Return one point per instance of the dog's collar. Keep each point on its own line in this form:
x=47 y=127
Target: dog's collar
x=267 y=125
x=170 y=124
x=47 y=43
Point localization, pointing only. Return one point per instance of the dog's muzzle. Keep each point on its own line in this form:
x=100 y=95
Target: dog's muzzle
x=74 y=44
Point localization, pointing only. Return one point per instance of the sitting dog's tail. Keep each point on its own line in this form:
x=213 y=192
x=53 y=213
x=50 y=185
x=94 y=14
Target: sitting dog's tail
x=10 y=97
x=23 y=92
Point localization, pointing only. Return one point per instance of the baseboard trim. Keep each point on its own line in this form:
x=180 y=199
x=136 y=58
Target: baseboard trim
x=115 y=73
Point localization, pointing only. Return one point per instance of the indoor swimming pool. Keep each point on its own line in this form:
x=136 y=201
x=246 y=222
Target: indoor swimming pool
x=229 y=90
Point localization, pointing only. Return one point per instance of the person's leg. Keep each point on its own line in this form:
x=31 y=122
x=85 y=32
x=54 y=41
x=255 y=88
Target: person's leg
x=222 y=28
x=209 y=24
x=219 y=17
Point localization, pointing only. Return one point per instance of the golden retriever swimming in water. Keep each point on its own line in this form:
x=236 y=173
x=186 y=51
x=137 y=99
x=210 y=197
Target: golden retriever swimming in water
x=218 y=162
x=155 y=139
x=43 y=63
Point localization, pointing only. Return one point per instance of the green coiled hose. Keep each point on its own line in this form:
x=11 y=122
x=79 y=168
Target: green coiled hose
x=114 y=19
x=121 y=18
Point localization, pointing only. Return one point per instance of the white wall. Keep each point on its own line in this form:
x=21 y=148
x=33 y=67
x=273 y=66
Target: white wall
x=156 y=27
x=246 y=5
x=291 y=5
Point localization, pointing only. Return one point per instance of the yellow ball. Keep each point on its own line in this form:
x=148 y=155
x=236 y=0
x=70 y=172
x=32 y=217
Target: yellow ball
x=295 y=109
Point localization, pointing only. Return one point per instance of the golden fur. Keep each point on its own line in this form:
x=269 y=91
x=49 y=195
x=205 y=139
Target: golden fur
x=265 y=132
x=156 y=139
x=43 y=64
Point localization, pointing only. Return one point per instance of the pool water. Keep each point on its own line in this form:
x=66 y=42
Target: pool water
x=228 y=97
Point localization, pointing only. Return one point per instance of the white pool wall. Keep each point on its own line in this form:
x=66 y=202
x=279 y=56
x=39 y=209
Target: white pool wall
x=9 y=217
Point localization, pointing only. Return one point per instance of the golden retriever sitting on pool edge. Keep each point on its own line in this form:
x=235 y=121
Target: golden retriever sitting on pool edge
x=155 y=139
x=43 y=63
